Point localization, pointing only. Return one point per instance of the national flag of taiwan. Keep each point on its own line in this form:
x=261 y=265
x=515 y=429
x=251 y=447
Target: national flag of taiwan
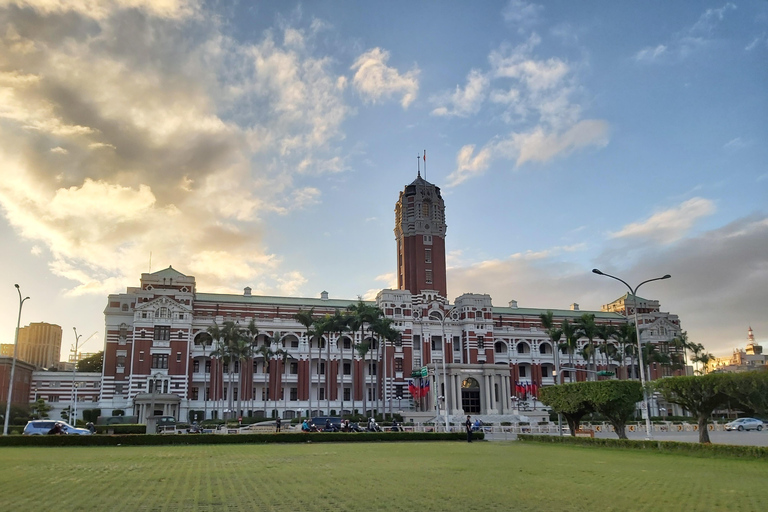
x=424 y=387
x=413 y=390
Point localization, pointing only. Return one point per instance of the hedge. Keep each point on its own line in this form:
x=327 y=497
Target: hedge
x=697 y=449
x=122 y=428
x=189 y=439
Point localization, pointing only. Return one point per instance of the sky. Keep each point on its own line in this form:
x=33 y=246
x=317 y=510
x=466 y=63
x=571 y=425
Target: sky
x=264 y=144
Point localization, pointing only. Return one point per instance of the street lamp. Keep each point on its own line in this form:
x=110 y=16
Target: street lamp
x=639 y=347
x=445 y=377
x=73 y=409
x=13 y=364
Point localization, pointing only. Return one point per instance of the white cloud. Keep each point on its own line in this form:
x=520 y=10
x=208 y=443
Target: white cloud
x=536 y=97
x=669 y=225
x=99 y=9
x=689 y=39
x=717 y=286
x=374 y=80
x=521 y=14
x=463 y=102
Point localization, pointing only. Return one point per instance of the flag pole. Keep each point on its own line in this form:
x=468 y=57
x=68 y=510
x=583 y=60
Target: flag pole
x=418 y=166
x=425 y=164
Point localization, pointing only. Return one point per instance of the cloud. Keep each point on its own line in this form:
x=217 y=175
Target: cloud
x=757 y=41
x=669 y=225
x=521 y=14
x=687 y=40
x=374 y=80
x=736 y=144
x=535 y=97
x=717 y=286
x=139 y=126
x=463 y=102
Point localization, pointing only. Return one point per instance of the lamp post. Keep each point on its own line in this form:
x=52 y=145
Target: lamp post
x=445 y=378
x=639 y=346
x=73 y=409
x=13 y=364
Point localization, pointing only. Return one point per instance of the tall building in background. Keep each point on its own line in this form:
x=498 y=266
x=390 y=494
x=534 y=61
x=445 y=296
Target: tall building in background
x=420 y=235
x=40 y=344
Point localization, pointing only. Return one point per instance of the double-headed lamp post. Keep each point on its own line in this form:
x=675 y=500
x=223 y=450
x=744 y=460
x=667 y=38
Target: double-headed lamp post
x=73 y=409
x=13 y=364
x=646 y=404
x=445 y=381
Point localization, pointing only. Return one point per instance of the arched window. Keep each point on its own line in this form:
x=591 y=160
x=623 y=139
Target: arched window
x=523 y=348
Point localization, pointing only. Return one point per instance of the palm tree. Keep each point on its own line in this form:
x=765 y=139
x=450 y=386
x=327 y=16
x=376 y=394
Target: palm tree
x=267 y=353
x=383 y=328
x=362 y=314
x=278 y=354
x=390 y=334
x=571 y=334
x=652 y=354
x=323 y=326
x=681 y=345
x=362 y=349
x=548 y=323
x=588 y=329
x=606 y=332
x=204 y=339
x=339 y=325
x=226 y=336
x=625 y=337
x=306 y=319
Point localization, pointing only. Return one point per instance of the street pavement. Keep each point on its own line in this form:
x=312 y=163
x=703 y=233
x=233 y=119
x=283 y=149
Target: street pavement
x=751 y=438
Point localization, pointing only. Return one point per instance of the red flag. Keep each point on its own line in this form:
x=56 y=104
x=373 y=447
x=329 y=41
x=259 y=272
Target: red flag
x=425 y=155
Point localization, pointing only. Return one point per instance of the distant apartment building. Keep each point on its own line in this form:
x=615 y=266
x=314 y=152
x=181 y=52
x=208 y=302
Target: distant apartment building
x=748 y=359
x=39 y=344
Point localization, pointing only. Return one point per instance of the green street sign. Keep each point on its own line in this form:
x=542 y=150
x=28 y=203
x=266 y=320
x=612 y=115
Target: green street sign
x=424 y=371
x=416 y=374
x=603 y=373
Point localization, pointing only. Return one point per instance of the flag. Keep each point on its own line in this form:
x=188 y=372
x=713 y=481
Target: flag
x=413 y=390
x=425 y=156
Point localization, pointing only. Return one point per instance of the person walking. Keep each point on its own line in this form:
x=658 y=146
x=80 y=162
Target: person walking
x=468 y=428
x=278 y=424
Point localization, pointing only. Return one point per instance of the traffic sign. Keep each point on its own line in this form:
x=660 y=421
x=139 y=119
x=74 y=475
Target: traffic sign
x=424 y=371
x=604 y=373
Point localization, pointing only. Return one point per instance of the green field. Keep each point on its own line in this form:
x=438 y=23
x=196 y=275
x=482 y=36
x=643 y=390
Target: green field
x=378 y=476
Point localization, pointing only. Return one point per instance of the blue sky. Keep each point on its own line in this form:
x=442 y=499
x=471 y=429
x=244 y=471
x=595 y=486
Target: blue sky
x=265 y=144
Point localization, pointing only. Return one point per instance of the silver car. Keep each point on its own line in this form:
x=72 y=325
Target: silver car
x=42 y=427
x=745 y=424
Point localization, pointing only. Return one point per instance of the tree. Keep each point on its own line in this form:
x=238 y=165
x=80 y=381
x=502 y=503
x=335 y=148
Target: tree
x=40 y=409
x=625 y=337
x=700 y=395
x=307 y=320
x=606 y=332
x=570 y=400
x=362 y=349
x=571 y=339
x=749 y=392
x=206 y=341
x=616 y=400
x=323 y=326
x=267 y=353
x=587 y=328
x=548 y=323
x=362 y=314
x=93 y=363
x=339 y=325
x=383 y=328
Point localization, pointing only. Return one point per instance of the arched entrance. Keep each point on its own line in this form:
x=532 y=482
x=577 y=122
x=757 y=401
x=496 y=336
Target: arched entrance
x=470 y=396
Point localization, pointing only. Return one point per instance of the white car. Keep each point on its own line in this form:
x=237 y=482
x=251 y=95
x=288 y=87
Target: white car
x=745 y=424
x=42 y=427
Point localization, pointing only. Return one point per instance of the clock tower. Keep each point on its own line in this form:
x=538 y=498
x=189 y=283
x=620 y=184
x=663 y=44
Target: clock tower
x=420 y=234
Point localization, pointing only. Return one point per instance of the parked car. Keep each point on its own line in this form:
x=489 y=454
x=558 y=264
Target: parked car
x=42 y=427
x=745 y=424
x=321 y=421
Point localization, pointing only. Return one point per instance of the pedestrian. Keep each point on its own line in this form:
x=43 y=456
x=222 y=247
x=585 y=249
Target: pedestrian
x=468 y=427
x=278 y=424
x=91 y=428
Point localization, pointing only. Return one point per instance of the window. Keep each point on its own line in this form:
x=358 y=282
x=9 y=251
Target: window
x=207 y=367
x=425 y=207
x=141 y=355
x=225 y=368
x=123 y=330
x=160 y=361
x=429 y=276
x=118 y=389
x=523 y=371
x=347 y=344
x=207 y=393
x=496 y=392
x=178 y=357
x=294 y=368
x=125 y=307
x=457 y=344
x=321 y=369
x=371 y=394
x=437 y=344
x=163 y=332
x=398 y=365
x=372 y=368
x=53 y=398
x=416 y=342
x=321 y=394
x=347 y=393
x=399 y=391
x=480 y=343
x=295 y=343
x=195 y=393
x=347 y=369
x=179 y=334
x=195 y=366
x=163 y=313
x=121 y=361
x=294 y=394
x=427 y=255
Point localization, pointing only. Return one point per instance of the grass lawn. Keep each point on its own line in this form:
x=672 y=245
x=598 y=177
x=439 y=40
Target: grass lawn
x=377 y=476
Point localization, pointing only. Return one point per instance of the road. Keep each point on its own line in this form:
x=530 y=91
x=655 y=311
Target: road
x=736 y=438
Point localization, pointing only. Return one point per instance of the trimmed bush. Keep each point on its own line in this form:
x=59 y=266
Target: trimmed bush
x=292 y=437
x=698 y=449
x=136 y=428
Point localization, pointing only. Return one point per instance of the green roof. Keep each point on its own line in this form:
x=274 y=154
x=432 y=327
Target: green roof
x=278 y=301
x=568 y=313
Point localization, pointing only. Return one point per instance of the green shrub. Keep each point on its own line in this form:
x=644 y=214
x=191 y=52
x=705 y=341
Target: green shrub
x=190 y=439
x=704 y=450
x=91 y=415
x=131 y=428
x=118 y=412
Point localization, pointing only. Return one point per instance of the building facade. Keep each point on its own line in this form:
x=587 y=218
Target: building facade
x=742 y=360
x=481 y=359
x=39 y=345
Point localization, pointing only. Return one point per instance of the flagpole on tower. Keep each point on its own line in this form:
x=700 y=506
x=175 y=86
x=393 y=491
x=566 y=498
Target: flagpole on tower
x=418 y=166
x=425 y=164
